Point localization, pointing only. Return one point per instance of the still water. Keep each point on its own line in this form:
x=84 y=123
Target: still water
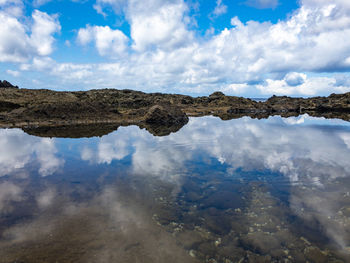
x=245 y=190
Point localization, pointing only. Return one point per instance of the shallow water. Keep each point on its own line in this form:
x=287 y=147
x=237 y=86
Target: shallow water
x=245 y=190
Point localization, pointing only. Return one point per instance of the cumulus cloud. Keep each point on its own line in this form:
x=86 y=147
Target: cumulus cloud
x=43 y=28
x=13 y=40
x=108 y=42
x=163 y=53
x=163 y=26
x=19 y=45
x=306 y=86
x=295 y=79
x=246 y=57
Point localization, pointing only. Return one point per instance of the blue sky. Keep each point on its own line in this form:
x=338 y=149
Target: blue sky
x=252 y=48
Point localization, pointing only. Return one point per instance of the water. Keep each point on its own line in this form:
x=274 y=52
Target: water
x=259 y=99
x=244 y=190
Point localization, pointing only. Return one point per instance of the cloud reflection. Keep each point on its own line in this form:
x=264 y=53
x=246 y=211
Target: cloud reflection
x=19 y=150
x=9 y=193
x=313 y=153
x=279 y=145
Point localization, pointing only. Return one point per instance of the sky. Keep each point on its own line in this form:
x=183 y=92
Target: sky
x=250 y=48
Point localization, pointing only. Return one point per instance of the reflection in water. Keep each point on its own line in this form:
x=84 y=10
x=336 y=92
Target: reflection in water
x=19 y=150
x=236 y=191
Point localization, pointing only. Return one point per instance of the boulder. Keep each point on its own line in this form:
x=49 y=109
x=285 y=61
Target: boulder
x=216 y=95
x=165 y=115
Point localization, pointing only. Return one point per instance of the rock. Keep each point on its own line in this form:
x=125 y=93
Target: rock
x=253 y=258
x=8 y=106
x=159 y=113
x=315 y=255
x=216 y=95
x=165 y=115
x=260 y=242
x=7 y=85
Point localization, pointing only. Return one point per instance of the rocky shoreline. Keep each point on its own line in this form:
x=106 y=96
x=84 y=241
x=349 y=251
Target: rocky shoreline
x=53 y=113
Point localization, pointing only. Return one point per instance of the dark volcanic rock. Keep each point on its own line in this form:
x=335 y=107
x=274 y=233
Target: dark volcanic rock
x=165 y=115
x=159 y=113
x=6 y=84
x=216 y=95
x=8 y=106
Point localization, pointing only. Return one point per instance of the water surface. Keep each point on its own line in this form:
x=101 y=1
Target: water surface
x=245 y=190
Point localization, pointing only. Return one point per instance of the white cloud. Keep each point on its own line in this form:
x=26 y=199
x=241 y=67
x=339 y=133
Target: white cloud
x=17 y=45
x=262 y=4
x=169 y=57
x=7 y=2
x=13 y=73
x=38 y=3
x=13 y=40
x=12 y=7
x=220 y=8
x=40 y=64
x=303 y=86
x=295 y=79
x=163 y=54
x=108 y=42
x=317 y=3
x=43 y=28
x=117 y=6
x=162 y=26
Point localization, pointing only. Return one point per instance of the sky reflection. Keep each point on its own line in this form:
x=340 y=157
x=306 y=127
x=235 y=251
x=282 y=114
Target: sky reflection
x=130 y=195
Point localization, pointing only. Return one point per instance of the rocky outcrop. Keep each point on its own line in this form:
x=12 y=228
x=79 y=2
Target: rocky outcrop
x=165 y=115
x=7 y=85
x=158 y=113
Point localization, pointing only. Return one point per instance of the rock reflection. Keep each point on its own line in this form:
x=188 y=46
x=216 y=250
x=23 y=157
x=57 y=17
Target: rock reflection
x=244 y=190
